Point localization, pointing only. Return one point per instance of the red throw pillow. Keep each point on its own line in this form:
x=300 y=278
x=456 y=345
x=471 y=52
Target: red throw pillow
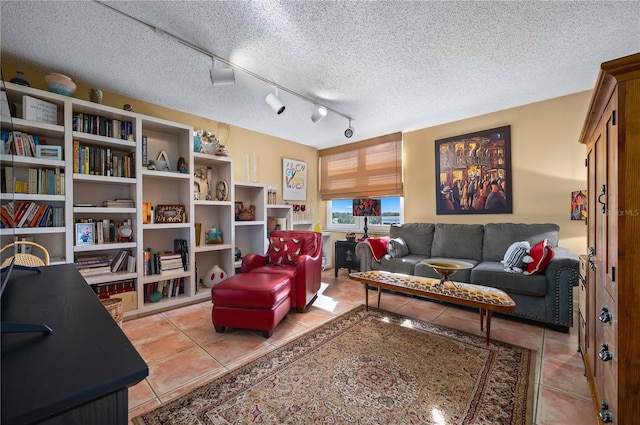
x=284 y=251
x=378 y=247
x=542 y=255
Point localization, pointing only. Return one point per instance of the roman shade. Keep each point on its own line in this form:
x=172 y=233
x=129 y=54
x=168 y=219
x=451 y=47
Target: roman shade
x=367 y=169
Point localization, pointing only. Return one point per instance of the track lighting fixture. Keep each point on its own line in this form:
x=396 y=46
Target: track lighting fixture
x=319 y=112
x=221 y=77
x=274 y=102
x=225 y=76
x=349 y=131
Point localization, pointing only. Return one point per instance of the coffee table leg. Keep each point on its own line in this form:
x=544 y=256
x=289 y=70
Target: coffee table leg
x=379 y=293
x=488 y=326
x=481 y=319
x=366 y=297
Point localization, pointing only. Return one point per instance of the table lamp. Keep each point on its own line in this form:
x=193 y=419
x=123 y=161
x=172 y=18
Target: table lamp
x=366 y=207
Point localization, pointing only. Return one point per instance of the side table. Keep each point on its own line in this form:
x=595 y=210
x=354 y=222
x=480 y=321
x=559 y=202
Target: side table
x=345 y=256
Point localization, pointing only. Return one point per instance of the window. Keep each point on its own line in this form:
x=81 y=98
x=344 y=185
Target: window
x=340 y=214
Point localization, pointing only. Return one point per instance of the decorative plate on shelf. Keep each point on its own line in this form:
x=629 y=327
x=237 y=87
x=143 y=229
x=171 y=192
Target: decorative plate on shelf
x=222 y=190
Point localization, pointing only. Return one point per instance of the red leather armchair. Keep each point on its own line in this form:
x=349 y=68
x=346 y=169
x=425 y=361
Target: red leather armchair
x=305 y=276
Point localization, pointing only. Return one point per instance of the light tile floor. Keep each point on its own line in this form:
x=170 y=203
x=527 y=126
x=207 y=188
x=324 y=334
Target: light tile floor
x=183 y=351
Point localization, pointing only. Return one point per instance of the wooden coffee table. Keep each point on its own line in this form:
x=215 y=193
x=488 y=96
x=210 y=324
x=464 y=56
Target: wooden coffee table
x=485 y=298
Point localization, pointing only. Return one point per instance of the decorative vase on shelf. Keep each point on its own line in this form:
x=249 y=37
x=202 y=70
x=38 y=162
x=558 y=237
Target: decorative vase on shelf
x=214 y=276
x=95 y=95
x=60 y=84
x=19 y=79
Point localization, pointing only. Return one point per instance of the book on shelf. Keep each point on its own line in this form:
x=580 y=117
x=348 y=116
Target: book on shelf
x=119 y=262
x=93 y=271
x=106 y=290
x=89 y=261
x=119 y=203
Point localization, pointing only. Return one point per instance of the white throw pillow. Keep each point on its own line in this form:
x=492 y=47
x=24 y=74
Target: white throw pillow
x=397 y=247
x=516 y=257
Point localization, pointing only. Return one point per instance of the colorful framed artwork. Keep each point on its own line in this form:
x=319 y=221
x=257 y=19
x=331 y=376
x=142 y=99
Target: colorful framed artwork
x=169 y=213
x=579 y=205
x=85 y=234
x=294 y=180
x=473 y=173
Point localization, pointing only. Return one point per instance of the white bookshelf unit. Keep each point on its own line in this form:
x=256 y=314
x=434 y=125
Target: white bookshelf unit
x=90 y=131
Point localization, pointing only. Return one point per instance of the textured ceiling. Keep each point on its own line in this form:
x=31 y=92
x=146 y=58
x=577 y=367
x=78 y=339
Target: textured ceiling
x=391 y=65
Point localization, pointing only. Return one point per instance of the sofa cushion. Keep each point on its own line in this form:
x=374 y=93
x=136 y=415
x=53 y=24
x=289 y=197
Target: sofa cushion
x=397 y=247
x=498 y=237
x=458 y=241
x=542 y=255
x=404 y=265
x=460 y=276
x=491 y=273
x=418 y=236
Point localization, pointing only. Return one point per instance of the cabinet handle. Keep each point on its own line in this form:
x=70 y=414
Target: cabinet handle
x=592 y=253
x=604 y=204
x=604 y=353
x=605 y=416
x=605 y=314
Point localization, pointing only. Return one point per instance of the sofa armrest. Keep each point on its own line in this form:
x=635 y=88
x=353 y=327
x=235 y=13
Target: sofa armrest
x=363 y=252
x=562 y=275
x=252 y=261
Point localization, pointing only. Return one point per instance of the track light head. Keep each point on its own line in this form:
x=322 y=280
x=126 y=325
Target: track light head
x=349 y=131
x=221 y=77
x=275 y=103
x=319 y=112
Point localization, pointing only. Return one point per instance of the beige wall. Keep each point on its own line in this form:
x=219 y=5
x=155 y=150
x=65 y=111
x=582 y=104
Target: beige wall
x=547 y=160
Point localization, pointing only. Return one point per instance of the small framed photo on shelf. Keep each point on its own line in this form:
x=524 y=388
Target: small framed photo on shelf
x=238 y=208
x=49 y=152
x=169 y=213
x=85 y=234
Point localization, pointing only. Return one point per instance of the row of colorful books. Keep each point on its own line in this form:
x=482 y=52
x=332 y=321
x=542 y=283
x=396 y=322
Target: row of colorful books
x=20 y=143
x=102 y=126
x=99 y=161
x=41 y=181
x=31 y=214
x=106 y=290
x=92 y=265
x=168 y=288
x=163 y=263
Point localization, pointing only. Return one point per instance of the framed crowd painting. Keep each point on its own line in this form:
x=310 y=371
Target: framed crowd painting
x=473 y=173
x=294 y=180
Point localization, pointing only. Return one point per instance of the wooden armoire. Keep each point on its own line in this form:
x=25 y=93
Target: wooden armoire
x=611 y=133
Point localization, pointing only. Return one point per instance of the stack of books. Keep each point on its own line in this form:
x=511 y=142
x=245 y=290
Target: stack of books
x=93 y=265
x=170 y=263
x=119 y=203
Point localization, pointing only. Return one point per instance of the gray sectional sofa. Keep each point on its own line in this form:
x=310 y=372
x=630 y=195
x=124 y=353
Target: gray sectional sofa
x=545 y=297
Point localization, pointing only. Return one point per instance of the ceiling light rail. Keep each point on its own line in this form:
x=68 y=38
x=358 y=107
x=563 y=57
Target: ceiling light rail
x=317 y=114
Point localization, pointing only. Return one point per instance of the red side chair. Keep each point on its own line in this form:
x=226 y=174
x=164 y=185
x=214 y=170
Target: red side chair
x=297 y=254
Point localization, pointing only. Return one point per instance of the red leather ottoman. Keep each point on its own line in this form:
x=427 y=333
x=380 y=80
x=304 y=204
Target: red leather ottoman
x=251 y=301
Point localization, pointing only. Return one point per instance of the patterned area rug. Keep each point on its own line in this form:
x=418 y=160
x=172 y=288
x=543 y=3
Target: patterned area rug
x=368 y=367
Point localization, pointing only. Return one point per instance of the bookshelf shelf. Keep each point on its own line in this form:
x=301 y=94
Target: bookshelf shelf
x=104 y=210
x=104 y=246
x=31 y=161
x=103 y=179
x=109 y=277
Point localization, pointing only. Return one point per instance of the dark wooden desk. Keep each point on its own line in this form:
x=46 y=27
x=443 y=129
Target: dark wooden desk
x=78 y=374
